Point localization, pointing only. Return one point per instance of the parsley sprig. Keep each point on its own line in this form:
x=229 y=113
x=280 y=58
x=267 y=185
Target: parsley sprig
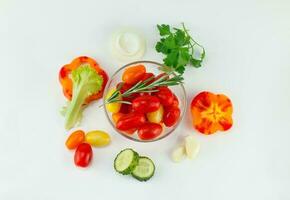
x=179 y=48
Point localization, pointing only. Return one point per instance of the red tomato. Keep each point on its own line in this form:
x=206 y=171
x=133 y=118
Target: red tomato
x=145 y=104
x=130 y=121
x=83 y=155
x=147 y=76
x=75 y=138
x=126 y=108
x=171 y=116
x=175 y=101
x=165 y=96
x=133 y=74
x=149 y=131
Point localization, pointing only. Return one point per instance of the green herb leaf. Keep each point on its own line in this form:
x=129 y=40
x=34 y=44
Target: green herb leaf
x=164 y=29
x=179 y=48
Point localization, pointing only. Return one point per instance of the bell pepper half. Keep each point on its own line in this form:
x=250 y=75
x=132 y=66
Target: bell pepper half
x=211 y=112
x=66 y=81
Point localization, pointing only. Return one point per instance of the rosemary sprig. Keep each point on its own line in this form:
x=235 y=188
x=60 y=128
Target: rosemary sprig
x=142 y=86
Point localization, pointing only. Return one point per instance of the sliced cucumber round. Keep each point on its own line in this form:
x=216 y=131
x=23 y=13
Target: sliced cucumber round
x=144 y=170
x=126 y=161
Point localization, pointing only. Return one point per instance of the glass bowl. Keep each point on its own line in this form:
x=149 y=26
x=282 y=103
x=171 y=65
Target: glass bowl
x=154 y=68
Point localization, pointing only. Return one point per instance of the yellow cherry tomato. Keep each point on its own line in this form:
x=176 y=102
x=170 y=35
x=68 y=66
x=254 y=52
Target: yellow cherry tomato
x=98 y=138
x=113 y=107
x=156 y=116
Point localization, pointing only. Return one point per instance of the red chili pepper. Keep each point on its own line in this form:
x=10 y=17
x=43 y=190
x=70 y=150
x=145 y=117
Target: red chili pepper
x=145 y=104
x=149 y=131
x=83 y=155
x=66 y=82
x=130 y=121
x=211 y=112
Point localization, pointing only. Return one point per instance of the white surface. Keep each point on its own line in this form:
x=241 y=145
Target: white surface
x=248 y=48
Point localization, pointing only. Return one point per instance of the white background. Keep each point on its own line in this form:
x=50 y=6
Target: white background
x=248 y=50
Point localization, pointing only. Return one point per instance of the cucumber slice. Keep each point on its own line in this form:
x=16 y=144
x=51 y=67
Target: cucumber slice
x=144 y=170
x=126 y=161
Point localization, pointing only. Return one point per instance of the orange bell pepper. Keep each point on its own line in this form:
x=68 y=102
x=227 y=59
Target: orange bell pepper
x=211 y=112
x=66 y=82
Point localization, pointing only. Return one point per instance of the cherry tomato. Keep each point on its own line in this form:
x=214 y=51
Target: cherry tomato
x=165 y=96
x=113 y=107
x=83 y=155
x=145 y=104
x=126 y=108
x=133 y=74
x=149 y=131
x=75 y=138
x=175 y=101
x=98 y=138
x=147 y=76
x=156 y=116
x=130 y=121
x=117 y=116
x=171 y=116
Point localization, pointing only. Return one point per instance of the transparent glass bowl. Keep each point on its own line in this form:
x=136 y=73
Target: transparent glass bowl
x=154 y=68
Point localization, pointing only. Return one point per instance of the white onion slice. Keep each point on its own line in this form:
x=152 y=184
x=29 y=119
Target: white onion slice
x=127 y=45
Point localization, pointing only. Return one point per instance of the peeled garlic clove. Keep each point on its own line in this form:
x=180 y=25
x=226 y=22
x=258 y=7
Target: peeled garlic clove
x=191 y=147
x=178 y=154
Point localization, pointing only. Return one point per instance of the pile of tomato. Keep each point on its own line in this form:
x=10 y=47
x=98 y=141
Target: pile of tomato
x=148 y=113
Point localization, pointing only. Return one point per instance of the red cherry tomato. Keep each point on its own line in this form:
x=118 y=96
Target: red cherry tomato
x=171 y=116
x=83 y=155
x=147 y=76
x=133 y=74
x=145 y=104
x=130 y=121
x=175 y=102
x=126 y=108
x=149 y=131
x=165 y=96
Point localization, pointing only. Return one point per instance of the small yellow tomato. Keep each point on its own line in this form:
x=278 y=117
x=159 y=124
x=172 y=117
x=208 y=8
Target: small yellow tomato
x=98 y=138
x=156 y=116
x=113 y=107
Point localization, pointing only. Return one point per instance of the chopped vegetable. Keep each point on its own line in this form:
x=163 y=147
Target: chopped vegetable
x=126 y=161
x=191 y=146
x=211 y=112
x=67 y=83
x=128 y=45
x=98 y=138
x=144 y=170
x=179 y=48
x=83 y=155
x=178 y=154
x=86 y=82
x=75 y=138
